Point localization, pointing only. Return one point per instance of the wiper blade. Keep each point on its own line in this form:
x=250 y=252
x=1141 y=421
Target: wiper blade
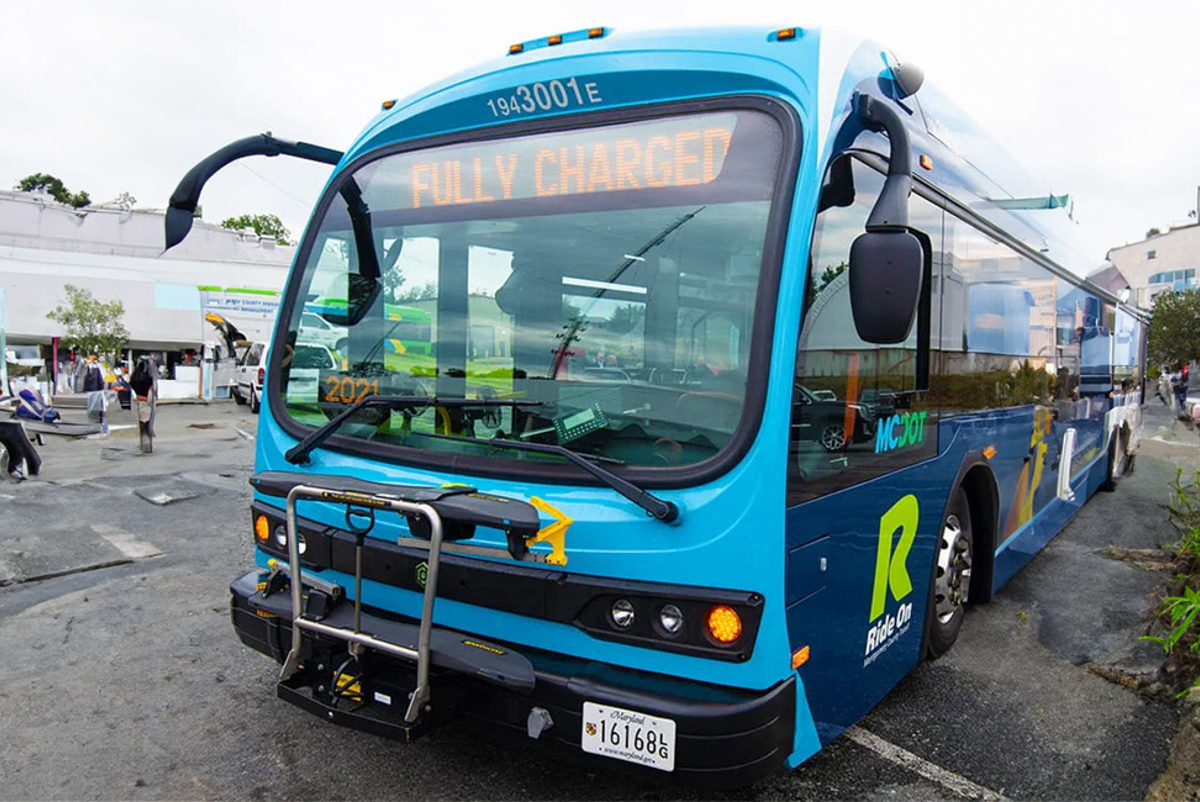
x=298 y=453
x=655 y=507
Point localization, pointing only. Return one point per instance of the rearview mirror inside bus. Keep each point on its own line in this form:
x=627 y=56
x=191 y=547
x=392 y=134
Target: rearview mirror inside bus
x=885 y=284
x=361 y=294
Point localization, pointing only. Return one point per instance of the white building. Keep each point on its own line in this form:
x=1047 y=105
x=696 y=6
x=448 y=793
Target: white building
x=118 y=254
x=1160 y=263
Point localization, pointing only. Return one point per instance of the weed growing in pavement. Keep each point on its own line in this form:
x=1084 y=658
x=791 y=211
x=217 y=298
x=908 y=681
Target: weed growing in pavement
x=1185 y=511
x=1179 y=613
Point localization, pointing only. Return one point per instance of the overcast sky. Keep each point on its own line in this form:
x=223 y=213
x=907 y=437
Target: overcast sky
x=1097 y=99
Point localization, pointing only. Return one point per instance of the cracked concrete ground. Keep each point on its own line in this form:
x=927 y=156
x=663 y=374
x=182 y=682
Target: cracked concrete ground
x=127 y=682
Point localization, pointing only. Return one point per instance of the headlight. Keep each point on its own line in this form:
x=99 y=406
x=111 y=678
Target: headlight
x=670 y=618
x=622 y=613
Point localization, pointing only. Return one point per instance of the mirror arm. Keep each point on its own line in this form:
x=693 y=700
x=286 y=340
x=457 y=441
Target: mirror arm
x=890 y=212
x=186 y=196
x=360 y=221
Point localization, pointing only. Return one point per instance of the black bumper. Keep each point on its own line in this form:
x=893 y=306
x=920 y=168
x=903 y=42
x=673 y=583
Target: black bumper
x=725 y=737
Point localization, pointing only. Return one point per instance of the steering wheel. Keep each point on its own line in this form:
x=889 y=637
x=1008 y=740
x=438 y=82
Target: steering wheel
x=489 y=416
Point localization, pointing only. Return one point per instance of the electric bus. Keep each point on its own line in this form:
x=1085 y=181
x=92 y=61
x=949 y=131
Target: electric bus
x=749 y=366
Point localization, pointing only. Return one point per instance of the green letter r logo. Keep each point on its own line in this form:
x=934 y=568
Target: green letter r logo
x=891 y=569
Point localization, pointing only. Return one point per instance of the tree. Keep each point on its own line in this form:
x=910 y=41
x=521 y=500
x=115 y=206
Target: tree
x=1175 y=328
x=625 y=318
x=264 y=225
x=1154 y=232
x=420 y=292
x=829 y=274
x=54 y=187
x=93 y=328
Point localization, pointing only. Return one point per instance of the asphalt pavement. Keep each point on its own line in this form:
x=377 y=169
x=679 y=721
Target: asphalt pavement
x=124 y=680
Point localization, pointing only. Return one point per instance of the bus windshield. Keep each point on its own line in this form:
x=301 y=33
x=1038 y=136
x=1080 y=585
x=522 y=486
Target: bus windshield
x=608 y=277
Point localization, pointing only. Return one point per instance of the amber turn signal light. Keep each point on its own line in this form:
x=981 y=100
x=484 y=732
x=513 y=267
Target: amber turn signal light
x=262 y=528
x=724 y=624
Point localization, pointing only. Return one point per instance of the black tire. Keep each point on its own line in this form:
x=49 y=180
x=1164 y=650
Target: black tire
x=949 y=586
x=1118 y=462
x=237 y=397
x=254 y=403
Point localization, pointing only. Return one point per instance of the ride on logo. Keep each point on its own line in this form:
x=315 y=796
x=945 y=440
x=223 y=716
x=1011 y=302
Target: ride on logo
x=891 y=573
x=421 y=573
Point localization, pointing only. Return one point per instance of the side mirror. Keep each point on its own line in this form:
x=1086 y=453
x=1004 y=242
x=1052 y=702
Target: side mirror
x=886 y=269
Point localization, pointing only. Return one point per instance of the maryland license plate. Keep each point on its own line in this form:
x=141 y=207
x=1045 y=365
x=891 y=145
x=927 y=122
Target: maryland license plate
x=628 y=735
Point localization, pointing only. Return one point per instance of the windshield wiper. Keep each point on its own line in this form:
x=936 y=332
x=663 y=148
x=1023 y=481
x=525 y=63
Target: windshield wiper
x=665 y=511
x=298 y=453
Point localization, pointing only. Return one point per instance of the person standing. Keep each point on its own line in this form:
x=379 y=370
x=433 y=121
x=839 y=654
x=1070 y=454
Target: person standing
x=144 y=382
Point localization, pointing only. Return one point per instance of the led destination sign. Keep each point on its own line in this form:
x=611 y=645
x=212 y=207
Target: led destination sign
x=672 y=152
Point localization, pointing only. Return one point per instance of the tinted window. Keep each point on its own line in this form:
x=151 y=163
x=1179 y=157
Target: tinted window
x=998 y=323
x=858 y=409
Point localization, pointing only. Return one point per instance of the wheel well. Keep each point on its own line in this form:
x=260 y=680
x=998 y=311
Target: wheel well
x=984 y=499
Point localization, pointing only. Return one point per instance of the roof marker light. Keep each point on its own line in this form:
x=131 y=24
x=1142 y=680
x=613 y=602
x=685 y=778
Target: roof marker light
x=595 y=33
x=784 y=34
x=387 y=104
x=556 y=39
x=515 y=49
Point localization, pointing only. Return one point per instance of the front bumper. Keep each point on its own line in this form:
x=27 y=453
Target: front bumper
x=725 y=737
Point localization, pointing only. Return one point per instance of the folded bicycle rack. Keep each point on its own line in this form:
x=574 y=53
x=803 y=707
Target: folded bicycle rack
x=318 y=607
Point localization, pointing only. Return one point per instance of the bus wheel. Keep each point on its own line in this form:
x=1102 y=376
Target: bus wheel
x=951 y=577
x=1118 y=461
x=833 y=437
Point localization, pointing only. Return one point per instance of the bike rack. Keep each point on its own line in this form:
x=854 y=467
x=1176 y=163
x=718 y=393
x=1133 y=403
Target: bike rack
x=420 y=699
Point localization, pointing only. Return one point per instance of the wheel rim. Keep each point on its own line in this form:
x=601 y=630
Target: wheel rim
x=953 y=570
x=833 y=438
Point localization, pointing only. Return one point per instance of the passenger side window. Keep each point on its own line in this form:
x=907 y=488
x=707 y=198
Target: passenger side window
x=999 y=322
x=859 y=410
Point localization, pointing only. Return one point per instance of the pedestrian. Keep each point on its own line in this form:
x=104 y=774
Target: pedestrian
x=144 y=382
x=1179 y=384
x=123 y=388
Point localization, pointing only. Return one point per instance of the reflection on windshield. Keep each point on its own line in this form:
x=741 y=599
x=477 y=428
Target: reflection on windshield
x=623 y=308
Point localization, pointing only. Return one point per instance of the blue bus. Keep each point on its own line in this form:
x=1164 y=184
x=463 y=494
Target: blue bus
x=746 y=375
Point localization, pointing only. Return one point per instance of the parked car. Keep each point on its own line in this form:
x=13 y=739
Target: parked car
x=304 y=376
x=315 y=330
x=251 y=370
x=882 y=403
x=823 y=421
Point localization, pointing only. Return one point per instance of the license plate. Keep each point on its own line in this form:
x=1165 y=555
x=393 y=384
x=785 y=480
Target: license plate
x=628 y=735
